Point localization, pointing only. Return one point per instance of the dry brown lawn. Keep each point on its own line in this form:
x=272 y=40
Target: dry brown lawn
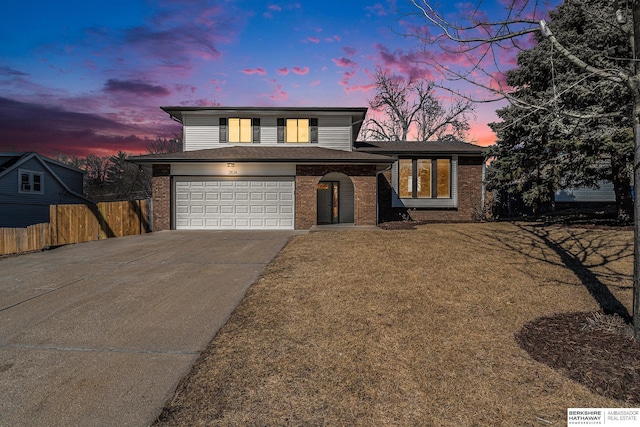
x=403 y=328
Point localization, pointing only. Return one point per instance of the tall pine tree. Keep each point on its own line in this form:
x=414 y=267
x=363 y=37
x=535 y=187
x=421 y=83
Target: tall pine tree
x=566 y=127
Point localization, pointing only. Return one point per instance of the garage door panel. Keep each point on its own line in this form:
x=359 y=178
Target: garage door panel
x=212 y=223
x=271 y=210
x=243 y=203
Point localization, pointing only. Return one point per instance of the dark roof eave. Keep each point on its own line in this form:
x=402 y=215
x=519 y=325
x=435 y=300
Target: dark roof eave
x=176 y=111
x=420 y=148
x=425 y=152
x=262 y=160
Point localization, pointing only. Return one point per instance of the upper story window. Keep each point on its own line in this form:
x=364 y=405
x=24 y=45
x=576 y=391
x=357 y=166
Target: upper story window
x=30 y=182
x=298 y=130
x=239 y=130
x=424 y=178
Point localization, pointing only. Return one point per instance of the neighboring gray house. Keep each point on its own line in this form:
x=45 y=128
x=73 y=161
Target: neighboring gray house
x=602 y=194
x=30 y=183
x=295 y=167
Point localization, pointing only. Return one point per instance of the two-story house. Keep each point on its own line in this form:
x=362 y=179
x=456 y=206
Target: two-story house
x=292 y=168
x=30 y=183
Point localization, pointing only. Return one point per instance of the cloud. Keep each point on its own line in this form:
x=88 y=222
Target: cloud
x=62 y=131
x=261 y=71
x=204 y=102
x=345 y=82
x=135 y=87
x=405 y=63
x=278 y=94
x=171 y=40
x=377 y=9
x=8 y=71
x=498 y=81
x=350 y=51
x=175 y=45
x=300 y=70
x=315 y=83
x=283 y=71
x=272 y=8
x=313 y=39
x=344 y=62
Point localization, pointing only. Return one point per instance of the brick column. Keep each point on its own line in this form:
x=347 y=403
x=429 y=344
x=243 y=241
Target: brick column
x=306 y=202
x=161 y=193
x=364 y=200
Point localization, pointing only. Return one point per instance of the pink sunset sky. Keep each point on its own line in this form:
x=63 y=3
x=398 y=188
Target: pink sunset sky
x=89 y=77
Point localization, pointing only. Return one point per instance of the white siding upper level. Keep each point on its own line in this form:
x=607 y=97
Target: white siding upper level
x=202 y=129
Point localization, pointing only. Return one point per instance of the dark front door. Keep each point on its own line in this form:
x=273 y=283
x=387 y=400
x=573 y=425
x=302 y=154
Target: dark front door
x=328 y=206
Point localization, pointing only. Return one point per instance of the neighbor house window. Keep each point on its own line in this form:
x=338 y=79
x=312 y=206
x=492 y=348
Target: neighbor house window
x=30 y=182
x=424 y=178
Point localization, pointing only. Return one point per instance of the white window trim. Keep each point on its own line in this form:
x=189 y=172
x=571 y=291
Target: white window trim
x=31 y=174
x=435 y=203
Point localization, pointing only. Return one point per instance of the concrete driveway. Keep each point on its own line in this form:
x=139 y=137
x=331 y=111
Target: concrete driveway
x=100 y=333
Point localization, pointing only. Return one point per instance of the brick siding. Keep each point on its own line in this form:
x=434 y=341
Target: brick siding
x=364 y=186
x=161 y=194
x=469 y=197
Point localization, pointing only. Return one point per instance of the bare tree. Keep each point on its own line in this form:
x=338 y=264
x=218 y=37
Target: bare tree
x=409 y=104
x=480 y=39
x=164 y=145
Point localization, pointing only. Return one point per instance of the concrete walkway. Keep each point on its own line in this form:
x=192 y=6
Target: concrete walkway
x=100 y=333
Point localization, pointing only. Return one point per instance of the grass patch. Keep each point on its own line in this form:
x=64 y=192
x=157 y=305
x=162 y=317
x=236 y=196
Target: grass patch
x=412 y=327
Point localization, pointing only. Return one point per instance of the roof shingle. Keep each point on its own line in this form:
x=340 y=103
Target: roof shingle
x=253 y=153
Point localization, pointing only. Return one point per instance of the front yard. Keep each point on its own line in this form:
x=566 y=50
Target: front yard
x=412 y=327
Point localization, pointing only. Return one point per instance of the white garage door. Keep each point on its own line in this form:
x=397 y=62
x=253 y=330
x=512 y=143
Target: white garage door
x=229 y=204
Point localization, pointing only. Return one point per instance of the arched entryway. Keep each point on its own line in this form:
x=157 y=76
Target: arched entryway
x=335 y=199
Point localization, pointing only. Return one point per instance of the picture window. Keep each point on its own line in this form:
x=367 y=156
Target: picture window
x=424 y=178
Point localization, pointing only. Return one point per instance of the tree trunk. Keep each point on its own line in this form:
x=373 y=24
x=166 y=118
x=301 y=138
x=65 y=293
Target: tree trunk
x=636 y=217
x=621 y=187
x=635 y=87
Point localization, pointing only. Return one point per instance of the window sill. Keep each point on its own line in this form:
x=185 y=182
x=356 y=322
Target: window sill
x=425 y=203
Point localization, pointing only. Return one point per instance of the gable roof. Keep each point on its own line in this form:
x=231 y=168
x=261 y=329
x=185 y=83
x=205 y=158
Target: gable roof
x=252 y=153
x=15 y=160
x=419 y=147
x=7 y=160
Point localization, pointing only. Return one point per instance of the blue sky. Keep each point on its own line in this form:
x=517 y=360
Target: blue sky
x=89 y=77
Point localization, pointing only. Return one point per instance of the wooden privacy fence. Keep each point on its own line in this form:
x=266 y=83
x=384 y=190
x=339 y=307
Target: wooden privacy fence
x=79 y=223
x=32 y=238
